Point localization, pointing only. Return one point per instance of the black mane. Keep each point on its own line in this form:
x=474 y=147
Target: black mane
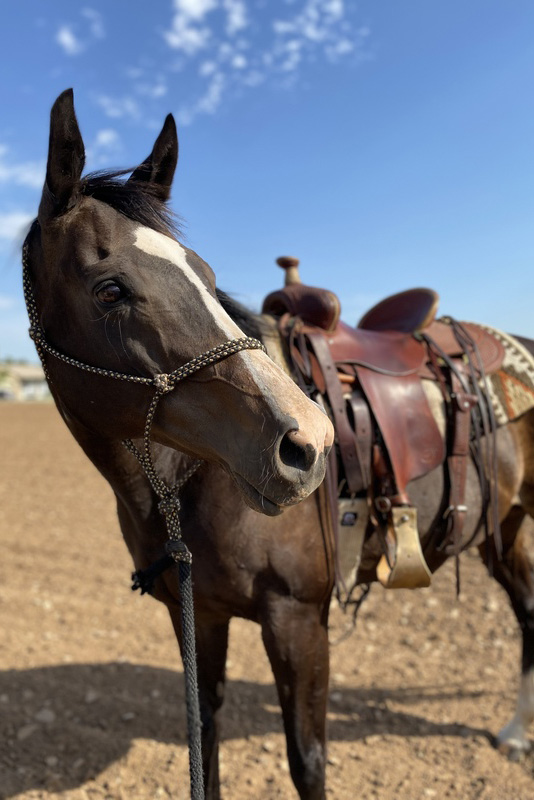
x=140 y=201
x=250 y=323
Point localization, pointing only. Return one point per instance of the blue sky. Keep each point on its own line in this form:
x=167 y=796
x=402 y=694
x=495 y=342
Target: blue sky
x=385 y=144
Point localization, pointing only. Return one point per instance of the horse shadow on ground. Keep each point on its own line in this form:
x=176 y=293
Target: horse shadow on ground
x=70 y=722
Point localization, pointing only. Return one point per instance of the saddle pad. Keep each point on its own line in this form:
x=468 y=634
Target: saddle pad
x=511 y=388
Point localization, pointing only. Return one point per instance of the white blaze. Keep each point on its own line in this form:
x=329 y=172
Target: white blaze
x=156 y=244
x=276 y=388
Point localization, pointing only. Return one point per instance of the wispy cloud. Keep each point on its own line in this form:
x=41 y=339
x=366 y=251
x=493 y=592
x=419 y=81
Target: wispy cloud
x=26 y=173
x=106 y=143
x=152 y=89
x=118 y=107
x=225 y=47
x=96 y=23
x=230 y=44
x=207 y=103
x=187 y=32
x=68 y=41
x=236 y=19
x=92 y=28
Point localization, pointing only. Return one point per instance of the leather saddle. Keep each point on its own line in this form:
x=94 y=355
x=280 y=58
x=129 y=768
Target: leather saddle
x=371 y=379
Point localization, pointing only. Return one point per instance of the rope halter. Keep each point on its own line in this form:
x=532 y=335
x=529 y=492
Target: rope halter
x=163 y=383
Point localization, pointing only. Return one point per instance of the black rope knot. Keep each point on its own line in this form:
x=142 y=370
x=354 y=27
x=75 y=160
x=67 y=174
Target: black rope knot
x=178 y=551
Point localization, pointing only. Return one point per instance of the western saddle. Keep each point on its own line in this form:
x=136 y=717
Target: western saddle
x=370 y=379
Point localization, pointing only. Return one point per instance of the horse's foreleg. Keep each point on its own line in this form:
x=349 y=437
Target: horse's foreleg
x=211 y=645
x=296 y=640
x=516 y=574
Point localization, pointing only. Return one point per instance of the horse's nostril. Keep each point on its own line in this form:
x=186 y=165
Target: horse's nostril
x=296 y=453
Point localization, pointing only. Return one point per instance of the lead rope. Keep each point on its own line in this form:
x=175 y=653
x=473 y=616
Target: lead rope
x=169 y=503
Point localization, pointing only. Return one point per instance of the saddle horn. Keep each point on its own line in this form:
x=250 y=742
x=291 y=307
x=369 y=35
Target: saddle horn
x=291 y=266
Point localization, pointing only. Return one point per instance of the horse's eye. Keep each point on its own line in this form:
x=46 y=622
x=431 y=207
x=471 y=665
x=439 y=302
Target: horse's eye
x=110 y=293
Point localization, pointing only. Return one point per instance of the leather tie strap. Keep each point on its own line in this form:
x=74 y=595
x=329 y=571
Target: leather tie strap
x=457 y=463
x=346 y=440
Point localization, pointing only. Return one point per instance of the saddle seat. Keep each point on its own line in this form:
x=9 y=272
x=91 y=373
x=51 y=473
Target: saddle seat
x=387 y=338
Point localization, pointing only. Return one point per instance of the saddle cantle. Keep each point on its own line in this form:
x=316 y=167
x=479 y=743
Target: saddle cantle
x=370 y=378
x=407 y=312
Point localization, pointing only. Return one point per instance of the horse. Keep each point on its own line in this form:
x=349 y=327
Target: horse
x=113 y=293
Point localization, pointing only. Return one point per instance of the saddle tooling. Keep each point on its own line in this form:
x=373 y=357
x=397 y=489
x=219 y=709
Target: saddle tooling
x=374 y=381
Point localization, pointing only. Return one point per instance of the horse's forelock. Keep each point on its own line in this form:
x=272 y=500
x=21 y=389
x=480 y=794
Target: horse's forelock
x=139 y=201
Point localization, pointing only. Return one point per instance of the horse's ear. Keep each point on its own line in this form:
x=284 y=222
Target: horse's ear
x=158 y=169
x=66 y=157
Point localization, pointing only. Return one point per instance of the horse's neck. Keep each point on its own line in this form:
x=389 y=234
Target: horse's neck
x=122 y=470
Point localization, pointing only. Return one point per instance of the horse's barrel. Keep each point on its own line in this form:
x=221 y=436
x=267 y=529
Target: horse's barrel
x=291 y=266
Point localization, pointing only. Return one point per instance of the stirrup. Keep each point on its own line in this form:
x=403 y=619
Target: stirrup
x=409 y=569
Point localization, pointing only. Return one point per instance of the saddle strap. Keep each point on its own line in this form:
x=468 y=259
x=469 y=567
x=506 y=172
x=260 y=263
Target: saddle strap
x=363 y=427
x=457 y=465
x=354 y=474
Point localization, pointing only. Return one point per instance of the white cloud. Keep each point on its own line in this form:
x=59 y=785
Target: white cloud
x=239 y=61
x=186 y=37
x=236 y=16
x=106 y=143
x=26 y=173
x=157 y=89
x=96 y=23
x=118 y=107
x=208 y=103
x=232 y=44
x=107 y=138
x=67 y=40
x=13 y=224
x=207 y=68
x=185 y=34
x=71 y=43
x=195 y=9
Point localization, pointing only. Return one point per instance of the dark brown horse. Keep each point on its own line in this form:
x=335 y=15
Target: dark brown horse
x=114 y=289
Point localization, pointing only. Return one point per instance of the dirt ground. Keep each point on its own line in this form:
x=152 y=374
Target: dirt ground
x=91 y=693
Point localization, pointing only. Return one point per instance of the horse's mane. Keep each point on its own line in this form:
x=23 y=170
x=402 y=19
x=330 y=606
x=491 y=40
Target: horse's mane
x=250 y=323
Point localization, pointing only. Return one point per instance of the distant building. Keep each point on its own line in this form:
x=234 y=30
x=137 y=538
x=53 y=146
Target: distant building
x=23 y=382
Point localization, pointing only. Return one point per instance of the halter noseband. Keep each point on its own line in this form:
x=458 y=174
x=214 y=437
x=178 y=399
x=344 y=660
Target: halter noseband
x=163 y=383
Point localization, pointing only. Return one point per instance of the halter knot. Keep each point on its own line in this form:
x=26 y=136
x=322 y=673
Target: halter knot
x=163 y=383
x=170 y=504
x=178 y=550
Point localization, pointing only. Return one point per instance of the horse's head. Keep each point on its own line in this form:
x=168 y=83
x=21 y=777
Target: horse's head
x=114 y=289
